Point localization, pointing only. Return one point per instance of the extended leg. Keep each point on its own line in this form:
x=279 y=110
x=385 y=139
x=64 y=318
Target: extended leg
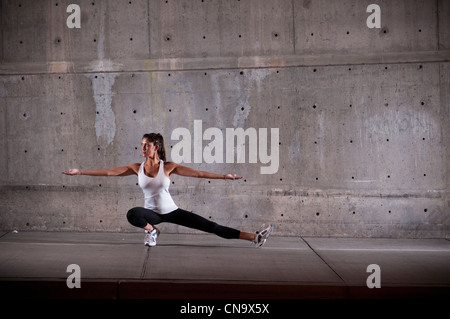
x=191 y=220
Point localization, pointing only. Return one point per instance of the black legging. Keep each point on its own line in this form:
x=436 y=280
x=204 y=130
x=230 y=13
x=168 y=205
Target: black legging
x=140 y=217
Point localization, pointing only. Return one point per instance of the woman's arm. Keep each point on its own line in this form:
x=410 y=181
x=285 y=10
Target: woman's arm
x=117 y=171
x=190 y=172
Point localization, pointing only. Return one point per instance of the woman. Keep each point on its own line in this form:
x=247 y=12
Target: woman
x=153 y=177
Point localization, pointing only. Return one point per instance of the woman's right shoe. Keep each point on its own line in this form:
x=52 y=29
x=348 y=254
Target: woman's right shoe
x=261 y=236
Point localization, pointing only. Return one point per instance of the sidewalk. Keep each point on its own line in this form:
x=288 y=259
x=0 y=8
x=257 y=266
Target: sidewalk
x=119 y=266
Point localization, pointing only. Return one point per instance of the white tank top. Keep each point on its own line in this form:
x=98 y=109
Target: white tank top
x=156 y=190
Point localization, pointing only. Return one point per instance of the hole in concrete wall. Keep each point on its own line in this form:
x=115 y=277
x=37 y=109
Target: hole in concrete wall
x=317 y=214
x=387 y=140
x=312 y=34
x=350 y=105
x=62 y=150
x=424 y=174
x=314 y=106
x=317 y=178
x=420 y=66
x=241 y=73
x=348 y=32
x=422 y=103
x=131 y=39
x=26 y=151
x=349 y=69
x=134 y=111
x=101 y=221
x=168 y=74
x=167 y=38
x=314 y=70
x=23 y=78
x=420 y=30
x=21 y=42
x=170 y=110
x=56 y=4
x=351 y=141
x=353 y=213
x=99 y=185
x=246 y=216
x=27 y=224
x=389 y=176
x=95 y=40
x=206 y=109
x=204 y=37
x=240 y=36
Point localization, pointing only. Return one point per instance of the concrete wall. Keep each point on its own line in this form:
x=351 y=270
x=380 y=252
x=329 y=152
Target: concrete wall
x=363 y=114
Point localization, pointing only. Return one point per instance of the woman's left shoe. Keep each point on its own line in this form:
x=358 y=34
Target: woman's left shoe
x=262 y=236
x=150 y=237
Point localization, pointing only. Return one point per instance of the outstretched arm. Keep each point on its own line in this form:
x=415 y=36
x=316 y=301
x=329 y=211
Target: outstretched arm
x=118 y=171
x=190 y=172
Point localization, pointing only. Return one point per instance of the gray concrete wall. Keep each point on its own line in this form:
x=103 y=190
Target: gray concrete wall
x=363 y=114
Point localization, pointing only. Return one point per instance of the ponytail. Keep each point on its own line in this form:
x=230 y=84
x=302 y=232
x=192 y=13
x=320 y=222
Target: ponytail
x=157 y=140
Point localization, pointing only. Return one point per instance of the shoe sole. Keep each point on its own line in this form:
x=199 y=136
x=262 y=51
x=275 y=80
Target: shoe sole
x=265 y=237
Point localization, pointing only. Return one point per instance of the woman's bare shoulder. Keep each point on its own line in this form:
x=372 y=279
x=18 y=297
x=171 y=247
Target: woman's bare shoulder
x=135 y=167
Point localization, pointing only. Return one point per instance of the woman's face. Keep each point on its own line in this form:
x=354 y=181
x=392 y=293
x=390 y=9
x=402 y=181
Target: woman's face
x=148 y=149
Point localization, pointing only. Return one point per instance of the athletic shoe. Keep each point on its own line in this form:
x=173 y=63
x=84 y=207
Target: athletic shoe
x=150 y=237
x=262 y=236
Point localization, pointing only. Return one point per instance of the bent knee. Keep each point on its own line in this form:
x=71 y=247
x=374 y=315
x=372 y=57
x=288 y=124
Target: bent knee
x=133 y=215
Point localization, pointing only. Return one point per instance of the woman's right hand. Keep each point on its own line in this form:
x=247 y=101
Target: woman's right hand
x=73 y=172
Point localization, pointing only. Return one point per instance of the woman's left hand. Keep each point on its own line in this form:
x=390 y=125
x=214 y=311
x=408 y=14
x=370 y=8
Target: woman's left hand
x=232 y=176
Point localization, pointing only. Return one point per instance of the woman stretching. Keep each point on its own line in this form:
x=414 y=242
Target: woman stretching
x=153 y=177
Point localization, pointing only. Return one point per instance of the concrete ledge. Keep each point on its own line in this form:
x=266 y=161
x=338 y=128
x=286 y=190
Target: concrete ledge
x=33 y=265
